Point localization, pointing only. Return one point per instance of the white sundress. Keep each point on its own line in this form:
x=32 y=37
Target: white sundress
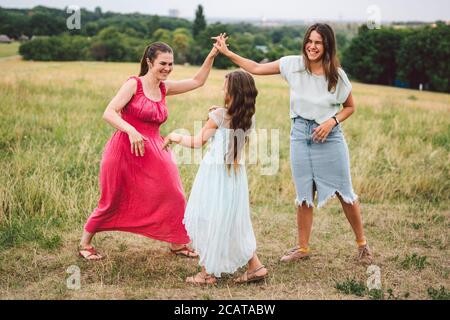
x=217 y=216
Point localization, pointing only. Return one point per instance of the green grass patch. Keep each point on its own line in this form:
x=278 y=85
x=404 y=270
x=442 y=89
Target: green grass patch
x=9 y=49
x=42 y=231
x=439 y=294
x=414 y=261
x=351 y=286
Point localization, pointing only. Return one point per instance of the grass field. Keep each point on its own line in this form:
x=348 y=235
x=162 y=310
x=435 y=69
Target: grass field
x=52 y=136
x=9 y=49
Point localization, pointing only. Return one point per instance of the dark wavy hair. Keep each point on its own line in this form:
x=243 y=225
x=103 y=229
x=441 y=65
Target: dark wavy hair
x=329 y=59
x=240 y=101
x=151 y=52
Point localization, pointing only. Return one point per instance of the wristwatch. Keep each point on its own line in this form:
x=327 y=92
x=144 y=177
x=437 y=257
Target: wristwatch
x=336 y=119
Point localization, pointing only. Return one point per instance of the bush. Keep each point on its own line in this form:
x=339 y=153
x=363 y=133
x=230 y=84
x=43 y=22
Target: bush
x=58 y=48
x=112 y=45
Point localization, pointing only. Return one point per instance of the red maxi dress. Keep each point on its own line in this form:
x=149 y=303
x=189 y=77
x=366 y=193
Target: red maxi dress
x=141 y=195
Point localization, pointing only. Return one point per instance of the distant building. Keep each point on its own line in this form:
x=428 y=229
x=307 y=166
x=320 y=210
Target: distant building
x=23 y=38
x=174 y=13
x=266 y=23
x=4 y=39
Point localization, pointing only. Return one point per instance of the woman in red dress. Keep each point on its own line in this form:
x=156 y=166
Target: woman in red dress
x=141 y=190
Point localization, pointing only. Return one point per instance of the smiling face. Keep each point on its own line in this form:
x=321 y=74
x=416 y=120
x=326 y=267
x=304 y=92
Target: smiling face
x=319 y=50
x=161 y=66
x=314 y=47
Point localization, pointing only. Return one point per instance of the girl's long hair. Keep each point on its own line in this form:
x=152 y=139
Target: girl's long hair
x=330 y=60
x=151 y=52
x=240 y=100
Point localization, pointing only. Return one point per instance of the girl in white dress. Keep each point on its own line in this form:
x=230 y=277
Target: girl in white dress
x=217 y=216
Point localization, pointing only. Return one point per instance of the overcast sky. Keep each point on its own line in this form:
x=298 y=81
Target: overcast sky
x=390 y=10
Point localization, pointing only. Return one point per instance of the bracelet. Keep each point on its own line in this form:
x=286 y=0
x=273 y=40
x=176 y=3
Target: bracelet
x=335 y=119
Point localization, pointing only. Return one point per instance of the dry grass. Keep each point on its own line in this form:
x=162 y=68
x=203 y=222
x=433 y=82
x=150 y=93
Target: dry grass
x=51 y=140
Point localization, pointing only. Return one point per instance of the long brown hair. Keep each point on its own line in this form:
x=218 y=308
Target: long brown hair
x=151 y=52
x=240 y=100
x=330 y=60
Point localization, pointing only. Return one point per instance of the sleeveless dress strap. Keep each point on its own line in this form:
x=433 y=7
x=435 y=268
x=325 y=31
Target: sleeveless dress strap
x=162 y=87
x=139 y=84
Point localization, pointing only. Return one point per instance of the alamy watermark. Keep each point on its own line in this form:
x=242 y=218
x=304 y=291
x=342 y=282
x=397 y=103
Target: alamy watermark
x=73 y=282
x=374 y=279
x=73 y=22
x=373 y=17
x=262 y=148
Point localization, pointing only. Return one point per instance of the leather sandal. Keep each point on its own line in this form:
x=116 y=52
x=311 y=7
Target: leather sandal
x=182 y=252
x=202 y=279
x=91 y=252
x=247 y=277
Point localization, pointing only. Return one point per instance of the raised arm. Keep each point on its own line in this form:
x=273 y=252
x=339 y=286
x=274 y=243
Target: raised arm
x=192 y=141
x=199 y=79
x=112 y=116
x=246 y=64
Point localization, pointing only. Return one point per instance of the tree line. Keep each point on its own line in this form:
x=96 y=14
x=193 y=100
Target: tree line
x=402 y=57
x=407 y=57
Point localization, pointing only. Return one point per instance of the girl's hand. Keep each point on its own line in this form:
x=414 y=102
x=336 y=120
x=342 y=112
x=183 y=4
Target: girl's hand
x=214 y=52
x=136 y=142
x=221 y=43
x=321 y=132
x=171 y=138
x=213 y=107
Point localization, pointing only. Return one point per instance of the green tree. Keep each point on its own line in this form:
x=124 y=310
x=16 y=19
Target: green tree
x=424 y=57
x=45 y=24
x=152 y=24
x=14 y=24
x=181 y=43
x=98 y=12
x=109 y=45
x=162 y=35
x=203 y=45
x=371 y=55
x=91 y=28
x=199 y=22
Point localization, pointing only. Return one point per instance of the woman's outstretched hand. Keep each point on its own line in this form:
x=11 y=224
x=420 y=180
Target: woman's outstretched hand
x=221 y=43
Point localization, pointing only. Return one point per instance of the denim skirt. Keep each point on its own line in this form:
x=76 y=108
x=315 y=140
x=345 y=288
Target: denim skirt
x=321 y=169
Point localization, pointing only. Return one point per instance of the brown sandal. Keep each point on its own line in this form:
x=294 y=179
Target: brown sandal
x=181 y=252
x=248 y=277
x=91 y=252
x=202 y=279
